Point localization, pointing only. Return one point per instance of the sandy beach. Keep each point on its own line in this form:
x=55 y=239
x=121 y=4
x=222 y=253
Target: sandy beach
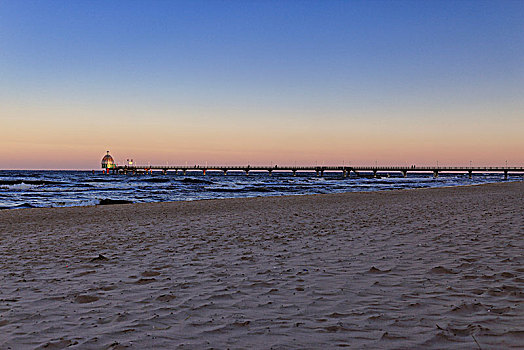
x=425 y=268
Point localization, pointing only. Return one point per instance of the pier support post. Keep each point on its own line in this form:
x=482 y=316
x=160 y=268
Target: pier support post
x=204 y=172
x=375 y=174
x=184 y=172
x=270 y=172
x=435 y=174
x=322 y=173
x=470 y=173
x=505 y=174
x=225 y=172
x=294 y=173
x=247 y=172
x=345 y=173
x=405 y=173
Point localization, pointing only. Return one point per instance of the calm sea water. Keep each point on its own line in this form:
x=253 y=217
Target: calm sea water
x=29 y=189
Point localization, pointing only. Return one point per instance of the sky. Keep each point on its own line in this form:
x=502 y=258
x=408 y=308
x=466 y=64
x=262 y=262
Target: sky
x=261 y=82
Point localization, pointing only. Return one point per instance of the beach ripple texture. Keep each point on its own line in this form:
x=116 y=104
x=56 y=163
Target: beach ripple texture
x=425 y=269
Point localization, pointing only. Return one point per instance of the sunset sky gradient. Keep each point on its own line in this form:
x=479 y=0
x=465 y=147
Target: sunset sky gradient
x=261 y=82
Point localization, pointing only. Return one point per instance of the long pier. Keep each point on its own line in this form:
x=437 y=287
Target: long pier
x=318 y=170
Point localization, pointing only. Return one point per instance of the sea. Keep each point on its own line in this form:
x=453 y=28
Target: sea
x=39 y=189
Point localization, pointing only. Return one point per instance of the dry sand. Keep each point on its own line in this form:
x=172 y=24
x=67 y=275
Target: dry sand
x=430 y=268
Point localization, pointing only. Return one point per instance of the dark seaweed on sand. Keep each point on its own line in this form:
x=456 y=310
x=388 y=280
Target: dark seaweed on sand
x=114 y=201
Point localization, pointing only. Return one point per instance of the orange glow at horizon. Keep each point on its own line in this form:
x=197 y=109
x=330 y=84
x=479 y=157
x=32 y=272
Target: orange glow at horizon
x=55 y=142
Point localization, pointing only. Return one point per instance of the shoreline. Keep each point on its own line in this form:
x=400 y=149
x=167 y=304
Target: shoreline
x=268 y=196
x=425 y=268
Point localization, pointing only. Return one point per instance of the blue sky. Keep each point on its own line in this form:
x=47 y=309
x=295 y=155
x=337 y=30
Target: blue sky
x=236 y=64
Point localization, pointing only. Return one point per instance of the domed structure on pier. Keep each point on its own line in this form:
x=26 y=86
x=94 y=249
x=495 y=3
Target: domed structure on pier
x=108 y=162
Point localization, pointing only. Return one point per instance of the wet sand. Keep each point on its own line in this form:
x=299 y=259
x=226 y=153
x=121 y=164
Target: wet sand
x=427 y=268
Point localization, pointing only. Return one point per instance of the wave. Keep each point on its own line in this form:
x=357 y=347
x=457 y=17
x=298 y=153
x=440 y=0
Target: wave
x=83 y=185
x=260 y=189
x=224 y=189
x=156 y=180
x=18 y=187
x=30 y=182
x=20 y=206
x=195 y=181
x=101 y=180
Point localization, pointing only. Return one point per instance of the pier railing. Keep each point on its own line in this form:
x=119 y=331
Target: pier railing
x=346 y=170
x=312 y=168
